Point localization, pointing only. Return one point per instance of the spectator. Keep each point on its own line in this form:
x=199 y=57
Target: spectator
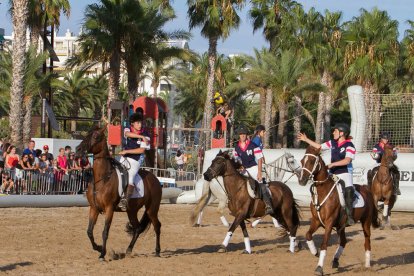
x=11 y=161
x=30 y=148
x=48 y=154
x=32 y=161
x=68 y=150
x=179 y=159
x=62 y=164
x=72 y=165
x=44 y=163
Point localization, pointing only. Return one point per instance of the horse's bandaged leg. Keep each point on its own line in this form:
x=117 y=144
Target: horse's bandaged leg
x=292 y=244
x=275 y=222
x=339 y=252
x=247 y=244
x=367 y=258
x=322 y=255
x=227 y=239
x=312 y=247
x=200 y=216
x=385 y=211
x=256 y=222
x=224 y=221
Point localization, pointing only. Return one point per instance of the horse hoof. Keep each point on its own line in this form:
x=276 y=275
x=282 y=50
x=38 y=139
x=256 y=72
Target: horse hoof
x=335 y=263
x=128 y=252
x=101 y=259
x=319 y=271
x=395 y=227
x=222 y=249
x=196 y=225
x=317 y=254
x=157 y=254
x=246 y=252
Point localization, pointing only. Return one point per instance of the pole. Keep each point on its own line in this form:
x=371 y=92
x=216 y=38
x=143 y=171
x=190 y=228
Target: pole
x=43 y=126
x=52 y=39
x=44 y=68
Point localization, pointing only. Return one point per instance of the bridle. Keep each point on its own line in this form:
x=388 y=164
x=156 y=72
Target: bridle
x=317 y=166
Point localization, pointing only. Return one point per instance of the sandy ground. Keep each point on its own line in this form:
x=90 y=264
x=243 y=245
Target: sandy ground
x=54 y=242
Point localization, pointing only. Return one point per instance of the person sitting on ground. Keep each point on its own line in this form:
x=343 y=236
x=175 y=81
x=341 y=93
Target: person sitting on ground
x=377 y=153
x=247 y=153
x=342 y=153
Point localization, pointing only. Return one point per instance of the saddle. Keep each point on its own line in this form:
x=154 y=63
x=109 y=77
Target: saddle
x=123 y=171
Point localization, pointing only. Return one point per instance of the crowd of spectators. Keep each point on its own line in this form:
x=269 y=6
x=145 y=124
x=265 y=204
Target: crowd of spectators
x=31 y=161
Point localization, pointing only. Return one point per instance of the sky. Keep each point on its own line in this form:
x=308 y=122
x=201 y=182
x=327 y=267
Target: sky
x=242 y=40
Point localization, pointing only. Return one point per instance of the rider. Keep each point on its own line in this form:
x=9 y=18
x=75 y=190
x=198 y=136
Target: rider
x=342 y=154
x=248 y=152
x=377 y=153
x=135 y=138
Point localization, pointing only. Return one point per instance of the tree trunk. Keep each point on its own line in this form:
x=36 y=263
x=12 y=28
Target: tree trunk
x=27 y=123
x=268 y=116
x=328 y=82
x=34 y=37
x=412 y=122
x=263 y=102
x=208 y=106
x=297 y=122
x=281 y=130
x=20 y=15
x=369 y=91
x=319 y=127
x=113 y=79
x=132 y=81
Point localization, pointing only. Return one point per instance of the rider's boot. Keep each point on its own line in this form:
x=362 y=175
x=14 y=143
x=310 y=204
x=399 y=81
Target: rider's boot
x=369 y=178
x=349 y=199
x=396 y=180
x=266 y=199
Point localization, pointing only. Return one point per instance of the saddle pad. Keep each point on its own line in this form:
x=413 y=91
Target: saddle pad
x=250 y=190
x=358 y=199
x=139 y=186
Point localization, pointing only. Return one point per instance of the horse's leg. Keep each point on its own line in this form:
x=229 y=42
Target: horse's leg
x=248 y=248
x=93 y=216
x=340 y=249
x=153 y=215
x=229 y=234
x=385 y=213
x=393 y=199
x=109 y=213
x=366 y=227
x=220 y=208
x=314 y=225
x=324 y=245
x=138 y=226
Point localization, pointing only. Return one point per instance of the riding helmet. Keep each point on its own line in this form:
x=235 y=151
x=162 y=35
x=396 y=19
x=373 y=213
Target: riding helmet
x=343 y=128
x=260 y=128
x=242 y=130
x=136 y=117
x=385 y=135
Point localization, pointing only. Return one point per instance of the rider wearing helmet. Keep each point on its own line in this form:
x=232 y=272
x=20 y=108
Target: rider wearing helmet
x=377 y=153
x=342 y=154
x=248 y=152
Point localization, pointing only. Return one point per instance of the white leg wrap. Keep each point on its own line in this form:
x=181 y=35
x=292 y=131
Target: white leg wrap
x=367 y=258
x=256 y=222
x=322 y=255
x=312 y=247
x=200 y=216
x=227 y=239
x=224 y=221
x=339 y=252
x=385 y=212
x=275 y=222
x=247 y=244
x=292 y=244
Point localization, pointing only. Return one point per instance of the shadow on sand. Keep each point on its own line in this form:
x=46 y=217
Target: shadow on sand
x=14 y=266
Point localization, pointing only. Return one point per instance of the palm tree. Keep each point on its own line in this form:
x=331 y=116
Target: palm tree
x=20 y=16
x=216 y=19
x=371 y=58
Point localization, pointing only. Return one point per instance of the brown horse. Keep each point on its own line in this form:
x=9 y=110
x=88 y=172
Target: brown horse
x=103 y=196
x=382 y=187
x=243 y=206
x=327 y=211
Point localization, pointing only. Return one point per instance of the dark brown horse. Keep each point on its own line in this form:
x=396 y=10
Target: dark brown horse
x=103 y=196
x=243 y=206
x=327 y=211
x=382 y=185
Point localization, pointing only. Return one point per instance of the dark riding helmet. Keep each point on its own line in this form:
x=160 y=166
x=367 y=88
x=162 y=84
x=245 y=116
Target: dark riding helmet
x=342 y=127
x=136 y=117
x=385 y=135
x=260 y=128
x=242 y=130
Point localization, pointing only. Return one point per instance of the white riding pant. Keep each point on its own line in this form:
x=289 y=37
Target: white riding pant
x=253 y=171
x=347 y=178
x=133 y=168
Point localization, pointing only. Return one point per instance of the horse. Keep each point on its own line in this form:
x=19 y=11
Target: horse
x=103 y=195
x=243 y=206
x=327 y=211
x=382 y=187
x=214 y=189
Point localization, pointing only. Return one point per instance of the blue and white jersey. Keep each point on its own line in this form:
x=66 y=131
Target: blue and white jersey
x=248 y=154
x=338 y=152
x=135 y=143
x=258 y=141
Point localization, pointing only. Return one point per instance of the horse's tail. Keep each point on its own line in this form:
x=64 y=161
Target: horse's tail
x=295 y=213
x=200 y=205
x=144 y=225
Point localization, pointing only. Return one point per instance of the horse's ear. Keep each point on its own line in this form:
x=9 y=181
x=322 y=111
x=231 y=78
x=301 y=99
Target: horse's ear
x=220 y=152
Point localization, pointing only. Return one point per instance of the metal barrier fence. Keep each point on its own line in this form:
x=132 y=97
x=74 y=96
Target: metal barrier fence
x=45 y=183
x=175 y=178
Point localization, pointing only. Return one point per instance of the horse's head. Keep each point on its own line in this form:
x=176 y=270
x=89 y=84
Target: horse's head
x=388 y=157
x=218 y=166
x=311 y=165
x=292 y=163
x=92 y=142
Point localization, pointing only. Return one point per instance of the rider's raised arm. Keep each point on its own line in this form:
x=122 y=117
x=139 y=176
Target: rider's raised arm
x=304 y=138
